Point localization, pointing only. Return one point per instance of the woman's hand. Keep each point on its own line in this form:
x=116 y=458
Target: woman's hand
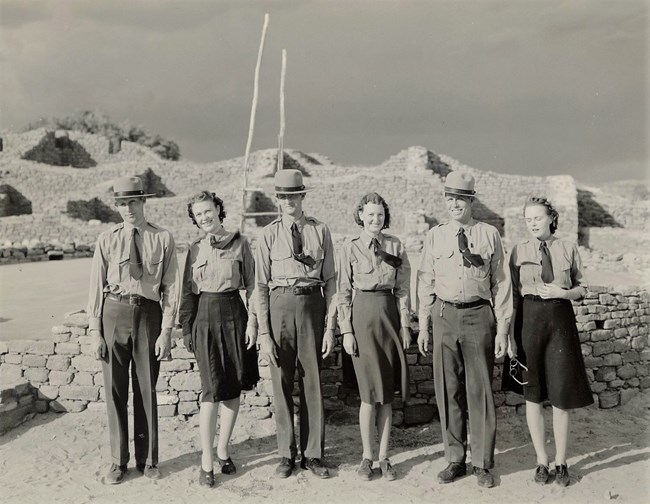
x=406 y=337
x=350 y=344
x=251 y=337
x=551 y=291
x=512 y=346
x=329 y=341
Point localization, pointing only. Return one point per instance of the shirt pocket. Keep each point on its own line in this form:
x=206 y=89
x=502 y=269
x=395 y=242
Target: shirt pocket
x=317 y=254
x=153 y=267
x=363 y=273
x=562 y=272
x=199 y=270
x=229 y=264
x=281 y=263
x=444 y=261
x=118 y=269
x=530 y=269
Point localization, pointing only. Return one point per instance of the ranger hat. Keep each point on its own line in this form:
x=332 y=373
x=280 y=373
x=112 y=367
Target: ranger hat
x=129 y=187
x=459 y=183
x=289 y=181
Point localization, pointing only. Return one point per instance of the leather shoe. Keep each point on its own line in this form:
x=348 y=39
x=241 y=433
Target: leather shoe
x=315 y=465
x=562 y=475
x=541 y=474
x=452 y=472
x=365 y=469
x=227 y=466
x=115 y=474
x=206 y=478
x=485 y=479
x=285 y=467
x=387 y=470
x=150 y=471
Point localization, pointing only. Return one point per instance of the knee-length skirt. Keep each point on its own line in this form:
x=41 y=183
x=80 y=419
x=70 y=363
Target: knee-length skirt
x=380 y=367
x=552 y=353
x=219 y=342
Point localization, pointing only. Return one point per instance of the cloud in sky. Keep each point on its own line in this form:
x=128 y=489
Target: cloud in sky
x=520 y=87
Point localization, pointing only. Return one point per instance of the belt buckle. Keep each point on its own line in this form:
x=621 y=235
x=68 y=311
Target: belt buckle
x=296 y=291
x=134 y=300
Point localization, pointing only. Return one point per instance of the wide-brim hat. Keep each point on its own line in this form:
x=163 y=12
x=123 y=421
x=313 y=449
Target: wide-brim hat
x=289 y=181
x=460 y=184
x=129 y=187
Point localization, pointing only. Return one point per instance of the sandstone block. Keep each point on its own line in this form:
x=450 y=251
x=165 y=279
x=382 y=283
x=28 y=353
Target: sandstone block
x=3 y=348
x=598 y=387
x=70 y=406
x=61 y=337
x=175 y=365
x=612 y=359
x=602 y=348
x=58 y=363
x=83 y=378
x=260 y=413
x=35 y=361
x=260 y=400
x=645 y=382
x=188 y=396
x=48 y=392
x=626 y=372
x=36 y=375
x=329 y=390
x=419 y=414
x=77 y=318
x=420 y=373
x=627 y=394
x=181 y=353
x=609 y=399
x=13 y=359
x=513 y=399
x=166 y=399
x=615 y=384
x=31 y=347
x=87 y=393
x=60 y=377
x=186 y=381
x=188 y=408
x=67 y=349
x=167 y=410
x=605 y=374
x=10 y=373
x=601 y=335
x=426 y=388
x=86 y=363
x=612 y=324
x=639 y=342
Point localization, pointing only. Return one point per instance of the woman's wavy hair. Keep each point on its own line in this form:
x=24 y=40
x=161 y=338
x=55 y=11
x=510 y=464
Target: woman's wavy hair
x=550 y=210
x=205 y=196
x=375 y=198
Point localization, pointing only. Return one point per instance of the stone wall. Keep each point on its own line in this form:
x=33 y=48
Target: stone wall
x=613 y=326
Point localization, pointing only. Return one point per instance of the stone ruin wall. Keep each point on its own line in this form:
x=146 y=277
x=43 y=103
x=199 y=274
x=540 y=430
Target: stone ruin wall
x=61 y=374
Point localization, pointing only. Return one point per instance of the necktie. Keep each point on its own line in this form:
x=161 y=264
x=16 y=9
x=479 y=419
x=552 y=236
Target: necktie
x=389 y=259
x=469 y=259
x=223 y=243
x=298 y=253
x=547 y=265
x=135 y=259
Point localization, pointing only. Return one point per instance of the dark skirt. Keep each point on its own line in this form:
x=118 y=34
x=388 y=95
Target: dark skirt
x=548 y=343
x=219 y=342
x=381 y=365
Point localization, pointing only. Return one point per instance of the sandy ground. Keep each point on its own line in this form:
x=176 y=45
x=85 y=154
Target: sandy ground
x=63 y=458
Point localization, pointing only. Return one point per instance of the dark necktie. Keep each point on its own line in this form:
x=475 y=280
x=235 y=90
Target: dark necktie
x=389 y=259
x=469 y=259
x=298 y=253
x=547 y=265
x=135 y=258
x=223 y=243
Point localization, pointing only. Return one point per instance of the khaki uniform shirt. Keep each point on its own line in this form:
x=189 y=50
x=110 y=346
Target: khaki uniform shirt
x=210 y=269
x=276 y=266
x=442 y=274
x=110 y=270
x=526 y=265
x=359 y=268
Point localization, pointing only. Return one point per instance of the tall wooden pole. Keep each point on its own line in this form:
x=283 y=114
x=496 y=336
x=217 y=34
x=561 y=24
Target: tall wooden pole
x=282 y=123
x=251 y=126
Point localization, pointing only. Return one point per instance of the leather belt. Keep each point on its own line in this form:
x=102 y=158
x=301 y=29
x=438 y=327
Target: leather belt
x=533 y=297
x=299 y=291
x=462 y=306
x=130 y=299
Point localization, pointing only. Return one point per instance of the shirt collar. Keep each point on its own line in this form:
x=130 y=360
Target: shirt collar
x=548 y=241
x=287 y=222
x=128 y=227
x=455 y=225
x=366 y=239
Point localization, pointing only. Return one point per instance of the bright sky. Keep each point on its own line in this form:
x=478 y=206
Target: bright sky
x=517 y=86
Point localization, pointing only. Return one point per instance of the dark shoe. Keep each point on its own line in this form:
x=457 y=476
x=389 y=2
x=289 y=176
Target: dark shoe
x=115 y=474
x=562 y=475
x=541 y=474
x=150 y=471
x=387 y=470
x=315 y=466
x=452 y=472
x=227 y=466
x=365 y=470
x=485 y=479
x=206 y=478
x=285 y=467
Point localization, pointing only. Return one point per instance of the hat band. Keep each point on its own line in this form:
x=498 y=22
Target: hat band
x=289 y=189
x=467 y=192
x=126 y=194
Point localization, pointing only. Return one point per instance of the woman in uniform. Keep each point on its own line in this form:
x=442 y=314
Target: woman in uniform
x=546 y=274
x=217 y=327
x=373 y=288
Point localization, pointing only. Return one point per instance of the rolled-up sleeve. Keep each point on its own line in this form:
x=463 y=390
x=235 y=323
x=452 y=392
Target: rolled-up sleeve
x=170 y=285
x=500 y=287
x=97 y=283
x=426 y=281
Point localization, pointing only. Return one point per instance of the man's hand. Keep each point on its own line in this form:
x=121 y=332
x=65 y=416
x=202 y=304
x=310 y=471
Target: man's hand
x=500 y=345
x=423 y=341
x=163 y=344
x=187 y=341
x=329 y=340
x=350 y=344
x=406 y=337
x=98 y=344
x=551 y=291
x=251 y=337
x=268 y=350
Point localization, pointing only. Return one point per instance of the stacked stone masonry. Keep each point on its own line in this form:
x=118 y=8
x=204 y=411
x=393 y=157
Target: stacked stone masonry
x=62 y=375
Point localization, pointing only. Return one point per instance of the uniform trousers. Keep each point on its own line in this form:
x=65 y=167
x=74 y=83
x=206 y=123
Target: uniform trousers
x=297 y=327
x=463 y=361
x=130 y=332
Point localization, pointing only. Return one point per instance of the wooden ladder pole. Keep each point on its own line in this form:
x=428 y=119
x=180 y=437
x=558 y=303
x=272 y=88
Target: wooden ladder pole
x=251 y=126
x=283 y=73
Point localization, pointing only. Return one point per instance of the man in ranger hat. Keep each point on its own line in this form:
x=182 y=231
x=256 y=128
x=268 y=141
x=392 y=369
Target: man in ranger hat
x=296 y=282
x=464 y=291
x=134 y=287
